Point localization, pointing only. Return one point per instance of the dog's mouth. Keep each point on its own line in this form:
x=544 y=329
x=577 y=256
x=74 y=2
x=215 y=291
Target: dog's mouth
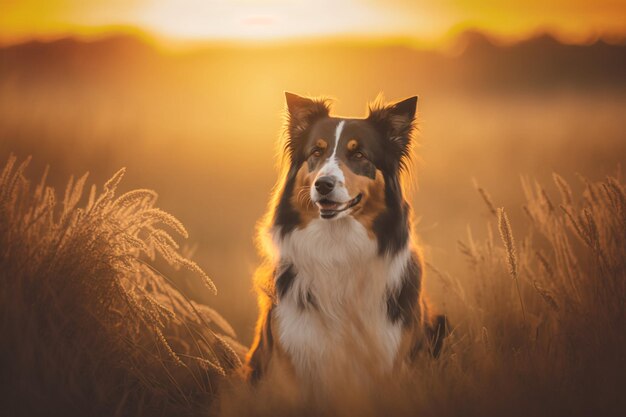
x=329 y=208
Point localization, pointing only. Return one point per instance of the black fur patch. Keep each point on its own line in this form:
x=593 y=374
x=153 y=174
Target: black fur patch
x=286 y=216
x=401 y=303
x=362 y=167
x=284 y=281
x=395 y=123
x=391 y=227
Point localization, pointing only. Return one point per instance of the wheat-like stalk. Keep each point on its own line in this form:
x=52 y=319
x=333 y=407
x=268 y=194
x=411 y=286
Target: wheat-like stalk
x=564 y=189
x=506 y=233
x=486 y=198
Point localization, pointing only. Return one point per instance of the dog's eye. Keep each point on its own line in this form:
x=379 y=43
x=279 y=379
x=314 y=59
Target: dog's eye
x=316 y=152
x=358 y=155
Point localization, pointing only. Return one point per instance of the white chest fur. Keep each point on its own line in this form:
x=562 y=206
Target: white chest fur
x=333 y=320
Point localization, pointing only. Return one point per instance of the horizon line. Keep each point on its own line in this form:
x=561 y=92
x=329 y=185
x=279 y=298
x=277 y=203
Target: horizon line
x=448 y=42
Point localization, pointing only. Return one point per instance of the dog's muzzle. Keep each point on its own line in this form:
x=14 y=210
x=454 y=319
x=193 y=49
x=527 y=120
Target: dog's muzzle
x=329 y=208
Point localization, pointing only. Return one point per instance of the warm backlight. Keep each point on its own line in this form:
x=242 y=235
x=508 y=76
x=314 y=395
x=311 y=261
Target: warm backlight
x=270 y=20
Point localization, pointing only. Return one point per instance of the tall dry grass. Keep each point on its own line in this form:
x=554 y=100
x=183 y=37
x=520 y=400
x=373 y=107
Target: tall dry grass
x=538 y=322
x=88 y=325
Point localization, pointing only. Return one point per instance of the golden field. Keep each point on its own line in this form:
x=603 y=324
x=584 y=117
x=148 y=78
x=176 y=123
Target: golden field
x=201 y=127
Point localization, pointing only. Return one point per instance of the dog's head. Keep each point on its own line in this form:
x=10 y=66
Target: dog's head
x=346 y=167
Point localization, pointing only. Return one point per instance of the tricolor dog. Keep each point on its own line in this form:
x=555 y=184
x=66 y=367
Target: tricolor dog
x=340 y=293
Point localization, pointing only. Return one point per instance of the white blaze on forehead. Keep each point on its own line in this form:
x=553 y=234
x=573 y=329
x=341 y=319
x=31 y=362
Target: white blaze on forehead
x=331 y=167
x=337 y=136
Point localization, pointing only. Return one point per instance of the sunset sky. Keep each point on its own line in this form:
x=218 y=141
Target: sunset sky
x=426 y=21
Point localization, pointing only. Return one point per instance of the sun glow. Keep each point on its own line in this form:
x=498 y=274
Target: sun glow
x=270 y=20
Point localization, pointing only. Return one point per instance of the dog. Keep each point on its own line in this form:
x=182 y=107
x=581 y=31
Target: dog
x=340 y=291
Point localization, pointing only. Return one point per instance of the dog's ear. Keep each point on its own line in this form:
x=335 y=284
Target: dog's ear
x=301 y=113
x=396 y=123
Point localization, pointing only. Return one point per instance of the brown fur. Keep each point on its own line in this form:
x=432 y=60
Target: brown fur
x=373 y=201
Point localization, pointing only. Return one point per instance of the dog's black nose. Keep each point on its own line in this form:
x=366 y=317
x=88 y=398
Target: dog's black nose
x=324 y=185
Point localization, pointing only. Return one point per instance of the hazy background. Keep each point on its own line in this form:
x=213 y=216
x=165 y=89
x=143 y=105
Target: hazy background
x=199 y=123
